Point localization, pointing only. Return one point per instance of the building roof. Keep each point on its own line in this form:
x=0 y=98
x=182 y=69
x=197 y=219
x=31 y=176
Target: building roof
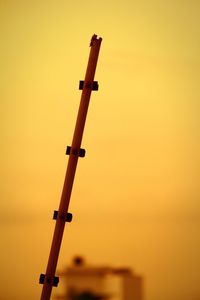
x=79 y=268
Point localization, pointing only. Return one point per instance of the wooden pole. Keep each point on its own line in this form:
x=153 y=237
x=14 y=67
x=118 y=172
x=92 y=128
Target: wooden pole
x=49 y=280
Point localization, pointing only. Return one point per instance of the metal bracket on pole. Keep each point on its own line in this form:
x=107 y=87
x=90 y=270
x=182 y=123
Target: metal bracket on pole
x=53 y=281
x=67 y=218
x=94 y=85
x=80 y=152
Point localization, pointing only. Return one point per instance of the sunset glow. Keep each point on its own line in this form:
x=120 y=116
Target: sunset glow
x=135 y=198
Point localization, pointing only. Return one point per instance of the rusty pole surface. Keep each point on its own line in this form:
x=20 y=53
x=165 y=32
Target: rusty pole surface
x=48 y=282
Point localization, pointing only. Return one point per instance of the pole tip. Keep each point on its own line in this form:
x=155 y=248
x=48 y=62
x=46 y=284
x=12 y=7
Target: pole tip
x=93 y=39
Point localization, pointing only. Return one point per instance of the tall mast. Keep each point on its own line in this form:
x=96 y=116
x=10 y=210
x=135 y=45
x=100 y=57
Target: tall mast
x=74 y=151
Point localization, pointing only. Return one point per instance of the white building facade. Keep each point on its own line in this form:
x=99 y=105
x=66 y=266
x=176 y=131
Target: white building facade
x=85 y=282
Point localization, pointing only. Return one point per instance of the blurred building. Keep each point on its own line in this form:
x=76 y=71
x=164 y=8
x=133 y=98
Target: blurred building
x=85 y=282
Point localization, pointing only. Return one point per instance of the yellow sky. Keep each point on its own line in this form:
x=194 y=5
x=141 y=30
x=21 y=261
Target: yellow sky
x=136 y=193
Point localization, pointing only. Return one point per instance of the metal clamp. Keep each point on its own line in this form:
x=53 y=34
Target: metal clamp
x=94 y=86
x=68 y=217
x=53 y=281
x=80 y=152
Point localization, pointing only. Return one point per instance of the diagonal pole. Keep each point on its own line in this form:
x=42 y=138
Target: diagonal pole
x=62 y=216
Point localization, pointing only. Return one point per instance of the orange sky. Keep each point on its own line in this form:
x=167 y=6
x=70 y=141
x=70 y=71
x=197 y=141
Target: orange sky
x=136 y=193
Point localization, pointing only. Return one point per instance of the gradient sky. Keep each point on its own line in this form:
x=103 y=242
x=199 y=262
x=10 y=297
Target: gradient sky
x=136 y=193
